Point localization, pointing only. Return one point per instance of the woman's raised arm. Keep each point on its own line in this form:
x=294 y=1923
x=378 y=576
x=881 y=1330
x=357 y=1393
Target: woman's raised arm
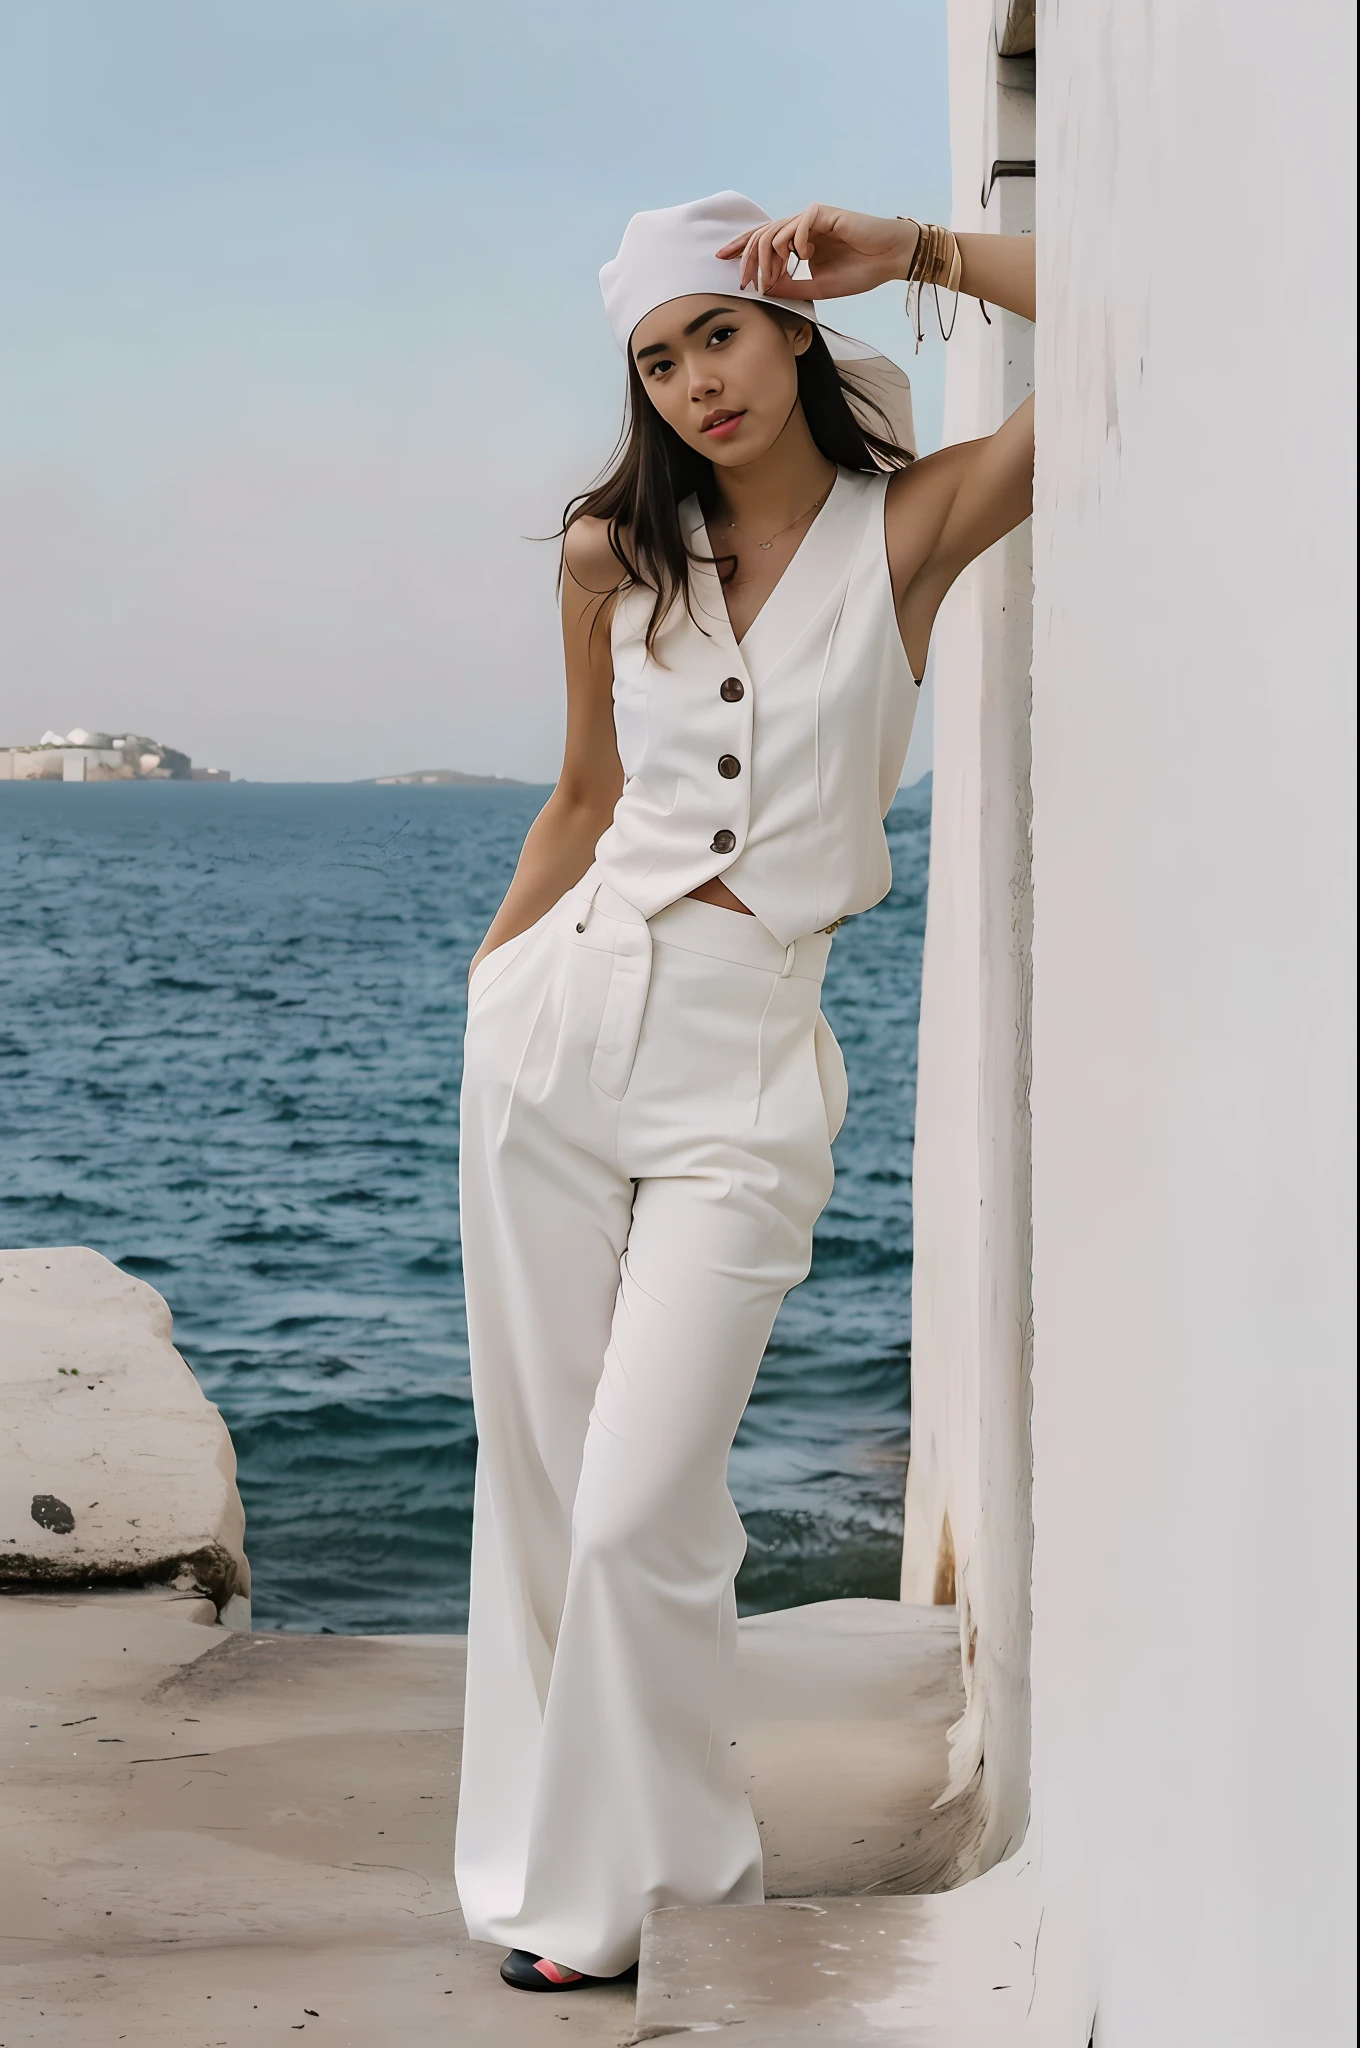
x=947 y=508
x=847 y=253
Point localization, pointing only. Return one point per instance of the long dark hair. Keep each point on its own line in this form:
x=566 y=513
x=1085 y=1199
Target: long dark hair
x=652 y=471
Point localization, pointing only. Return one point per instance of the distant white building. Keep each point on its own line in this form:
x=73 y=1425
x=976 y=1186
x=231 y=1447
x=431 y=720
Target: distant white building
x=81 y=756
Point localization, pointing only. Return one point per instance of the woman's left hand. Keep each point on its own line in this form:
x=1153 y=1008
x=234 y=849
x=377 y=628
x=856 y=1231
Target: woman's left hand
x=845 y=252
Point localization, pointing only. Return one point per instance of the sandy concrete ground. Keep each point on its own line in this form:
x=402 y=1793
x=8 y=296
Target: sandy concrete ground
x=218 y=1839
x=215 y=1839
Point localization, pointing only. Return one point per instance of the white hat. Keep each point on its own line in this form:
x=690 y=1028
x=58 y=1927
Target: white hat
x=672 y=252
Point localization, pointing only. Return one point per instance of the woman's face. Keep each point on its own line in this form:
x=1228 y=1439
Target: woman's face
x=723 y=373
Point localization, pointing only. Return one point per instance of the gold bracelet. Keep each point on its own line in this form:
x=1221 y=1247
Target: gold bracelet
x=935 y=261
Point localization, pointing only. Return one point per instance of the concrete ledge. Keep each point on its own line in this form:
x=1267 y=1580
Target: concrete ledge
x=781 y=1974
x=955 y=1970
x=846 y=1707
x=115 y=1469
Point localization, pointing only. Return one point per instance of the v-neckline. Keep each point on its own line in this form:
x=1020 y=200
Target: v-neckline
x=783 y=575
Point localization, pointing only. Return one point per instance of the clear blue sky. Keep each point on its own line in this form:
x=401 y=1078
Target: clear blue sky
x=300 y=336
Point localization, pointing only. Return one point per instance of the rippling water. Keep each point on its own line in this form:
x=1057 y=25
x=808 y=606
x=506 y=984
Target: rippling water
x=230 y=1057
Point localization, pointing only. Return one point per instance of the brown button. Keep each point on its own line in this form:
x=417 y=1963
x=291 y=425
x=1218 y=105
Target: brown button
x=728 y=766
x=733 y=690
x=723 y=841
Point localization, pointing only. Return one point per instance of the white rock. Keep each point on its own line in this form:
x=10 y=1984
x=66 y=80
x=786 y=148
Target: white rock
x=114 y=1468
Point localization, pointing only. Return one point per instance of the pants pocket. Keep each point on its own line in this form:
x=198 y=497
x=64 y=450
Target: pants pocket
x=493 y=964
x=831 y=1074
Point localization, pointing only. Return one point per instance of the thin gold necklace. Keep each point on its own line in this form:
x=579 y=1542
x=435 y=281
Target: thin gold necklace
x=766 y=544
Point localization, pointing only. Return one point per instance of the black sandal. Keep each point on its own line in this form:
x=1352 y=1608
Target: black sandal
x=528 y=1972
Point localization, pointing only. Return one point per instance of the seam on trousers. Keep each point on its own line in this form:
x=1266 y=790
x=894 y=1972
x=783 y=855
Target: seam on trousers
x=626 y=1267
x=775 y=982
x=616 y=1153
x=512 y=1095
x=621 y=964
x=717 y=1693
x=714 y=1694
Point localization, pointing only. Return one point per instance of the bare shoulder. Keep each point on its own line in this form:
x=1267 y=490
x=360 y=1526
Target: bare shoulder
x=589 y=558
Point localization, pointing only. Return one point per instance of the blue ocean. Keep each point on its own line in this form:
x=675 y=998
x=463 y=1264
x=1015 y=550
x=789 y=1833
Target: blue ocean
x=230 y=1054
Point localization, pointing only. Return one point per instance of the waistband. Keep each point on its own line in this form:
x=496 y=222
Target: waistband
x=699 y=927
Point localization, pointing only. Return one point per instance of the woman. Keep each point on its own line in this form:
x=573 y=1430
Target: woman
x=650 y=1091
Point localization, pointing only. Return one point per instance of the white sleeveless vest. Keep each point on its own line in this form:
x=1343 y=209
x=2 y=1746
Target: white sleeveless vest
x=771 y=762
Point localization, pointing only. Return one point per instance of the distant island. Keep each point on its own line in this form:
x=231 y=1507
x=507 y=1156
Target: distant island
x=81 y=756
x=447 y=777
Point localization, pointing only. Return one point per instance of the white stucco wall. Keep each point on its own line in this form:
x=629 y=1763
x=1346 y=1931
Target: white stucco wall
x=1194 y=861
x=970 y=1455
x=1188 y=1871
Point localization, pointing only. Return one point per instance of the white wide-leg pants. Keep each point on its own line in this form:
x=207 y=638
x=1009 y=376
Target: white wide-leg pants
x=647 y=1112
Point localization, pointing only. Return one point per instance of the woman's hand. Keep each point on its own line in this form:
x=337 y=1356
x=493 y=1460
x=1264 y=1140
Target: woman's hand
x=846 y=253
